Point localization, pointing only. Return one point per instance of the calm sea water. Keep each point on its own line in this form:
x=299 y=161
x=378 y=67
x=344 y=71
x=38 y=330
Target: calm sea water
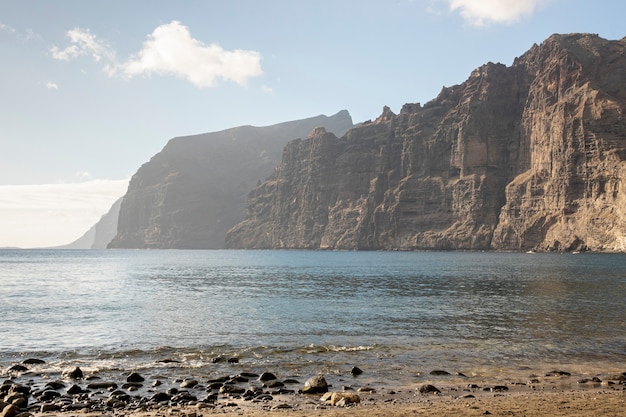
x=395 y=314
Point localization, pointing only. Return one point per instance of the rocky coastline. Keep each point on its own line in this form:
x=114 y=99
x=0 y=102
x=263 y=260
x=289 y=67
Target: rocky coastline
x=25 y=392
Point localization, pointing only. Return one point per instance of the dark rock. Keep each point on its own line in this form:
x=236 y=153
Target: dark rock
x=356 y=371
x=274 y=383
x=267 y=376
x=315 y=385
x=134 y=377
x=167 y=360
x=558 y=373
x=218 y=359
x=428 y=389
x=233 y=360
x=18 y=368
x=48 y=395
x=231 y=389
x=249 y=375
x=102 y=385
x=55 y=385
x=33 y=361
x=161 y=397
x=75 y=373
x=438 y=372
x=183 y=398
x=499 y=388
x=75 y=389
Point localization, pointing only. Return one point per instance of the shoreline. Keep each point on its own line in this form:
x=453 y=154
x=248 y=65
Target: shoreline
x=576 y=403
x=554 y=393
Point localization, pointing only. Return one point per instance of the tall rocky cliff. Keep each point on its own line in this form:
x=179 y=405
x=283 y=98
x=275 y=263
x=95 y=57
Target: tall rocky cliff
x=530 y=156
x=100 y=234
x=189 y=194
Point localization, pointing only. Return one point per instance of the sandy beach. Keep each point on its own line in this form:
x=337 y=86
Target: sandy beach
x=563 y=403
x=557 y=396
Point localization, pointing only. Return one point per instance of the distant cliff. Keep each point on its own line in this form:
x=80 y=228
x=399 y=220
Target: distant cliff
x=526 y=157
x=100 y=234
x=193 y=191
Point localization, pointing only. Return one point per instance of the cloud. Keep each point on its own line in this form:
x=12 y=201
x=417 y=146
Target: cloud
x=6 y=28
x=54 y=214
x=83 y=43
x=51 y=86
x=170 y=50
x=482 y=12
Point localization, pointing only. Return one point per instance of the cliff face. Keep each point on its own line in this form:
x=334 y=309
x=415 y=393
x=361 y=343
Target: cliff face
x=194 y=190
x=529 y=156
x=100 y=234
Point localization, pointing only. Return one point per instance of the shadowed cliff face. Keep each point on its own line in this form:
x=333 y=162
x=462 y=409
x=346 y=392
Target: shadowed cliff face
x=523 y=157
x=194 y=190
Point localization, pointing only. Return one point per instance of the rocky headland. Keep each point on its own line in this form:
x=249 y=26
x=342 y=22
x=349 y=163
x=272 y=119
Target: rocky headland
x=193 y=191
x=523 y=157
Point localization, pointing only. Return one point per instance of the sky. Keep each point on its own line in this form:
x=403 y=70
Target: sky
x=91 y=90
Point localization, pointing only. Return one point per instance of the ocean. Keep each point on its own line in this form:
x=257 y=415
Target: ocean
x=395 y=315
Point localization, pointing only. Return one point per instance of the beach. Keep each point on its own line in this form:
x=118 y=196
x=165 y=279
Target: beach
x=592 y=402
x=554 y=393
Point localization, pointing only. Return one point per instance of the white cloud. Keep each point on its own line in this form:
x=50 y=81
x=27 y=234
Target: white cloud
x=51 y=86
x=54 y=214
x=267 y=89
x=83 y=43
x=170 y=50
x=6 y=28
x=482 y=12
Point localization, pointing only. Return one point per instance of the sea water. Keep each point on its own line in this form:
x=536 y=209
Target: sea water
x=396 y=315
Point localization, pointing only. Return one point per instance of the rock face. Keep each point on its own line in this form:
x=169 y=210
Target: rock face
x=100 y=234
x=524 y=157
x=194 y=190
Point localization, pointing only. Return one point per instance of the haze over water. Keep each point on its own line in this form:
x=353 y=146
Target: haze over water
x=395 y=314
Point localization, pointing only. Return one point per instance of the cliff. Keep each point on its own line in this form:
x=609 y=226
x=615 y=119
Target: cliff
x=193 y=191
x=529 y=156
x=100 y=234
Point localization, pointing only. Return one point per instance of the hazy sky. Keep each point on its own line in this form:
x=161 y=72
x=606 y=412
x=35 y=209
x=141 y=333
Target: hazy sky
x=90 y=90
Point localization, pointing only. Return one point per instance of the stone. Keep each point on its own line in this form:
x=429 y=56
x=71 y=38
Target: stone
x=18 y=368
x=315 y=385
x=267 y=376
x=439 y=372
x=9 y=411
x=102 y=385
x=134 y=377
x=356 y=371
x=160 y=397
x=274 y=383
x=428 y=389
x=33 y=361
x=75 y=373
x=343 y=399
x=47 y=408
x=75 y=389
x=189 y=383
